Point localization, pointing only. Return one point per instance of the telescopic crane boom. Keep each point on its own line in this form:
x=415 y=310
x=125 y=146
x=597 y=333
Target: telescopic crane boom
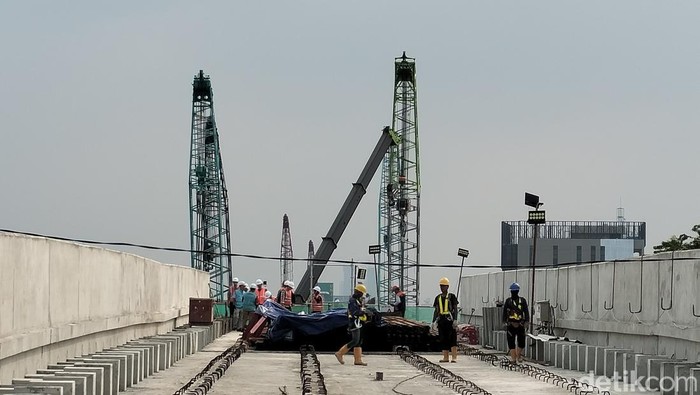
x=359 y=188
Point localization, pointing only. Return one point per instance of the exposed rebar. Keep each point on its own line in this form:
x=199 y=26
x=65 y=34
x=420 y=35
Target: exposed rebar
x=312 y=382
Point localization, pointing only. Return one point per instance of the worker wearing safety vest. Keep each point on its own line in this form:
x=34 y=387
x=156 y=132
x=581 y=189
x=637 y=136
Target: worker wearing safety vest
x=515 y=316
x=259 y=292
x=317 y=300
x=445 y=318
x=400 y=304
x=357 y=316
x=285 y=296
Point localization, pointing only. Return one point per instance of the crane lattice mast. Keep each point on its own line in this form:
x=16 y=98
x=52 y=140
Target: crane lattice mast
x=399 y=200
x=286 y=254
x=209 y=211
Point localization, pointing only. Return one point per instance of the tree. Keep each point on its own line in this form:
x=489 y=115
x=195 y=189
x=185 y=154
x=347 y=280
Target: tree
x=682 y=242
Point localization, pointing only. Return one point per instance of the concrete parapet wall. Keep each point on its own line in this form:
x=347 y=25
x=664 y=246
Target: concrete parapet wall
x=60 y=299
x=634 y=317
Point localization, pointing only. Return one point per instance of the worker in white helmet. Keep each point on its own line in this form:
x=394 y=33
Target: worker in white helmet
x=259 y=292
x=232 y=296
x=286 y=295
x=316 y=300
x=268 y=296
x=237 y=324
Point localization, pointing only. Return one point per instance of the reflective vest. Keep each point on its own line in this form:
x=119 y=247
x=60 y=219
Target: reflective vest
x=317 y=303
x=287 y=298
x=444 y=305
x=260 y=295
x=515 y=315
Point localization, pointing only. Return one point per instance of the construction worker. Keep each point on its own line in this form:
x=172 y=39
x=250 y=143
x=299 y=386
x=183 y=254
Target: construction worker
x=515 y=316
x=316 y=300
x=232 y=296
x=237 y=324
x=249 y=299
x=268 y=296
x=281 y=291
x=286 y=295
x=259 y=292
x=445 y=318
x=400 y=304
x=357 y=316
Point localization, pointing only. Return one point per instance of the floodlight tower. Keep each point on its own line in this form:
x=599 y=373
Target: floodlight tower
x=209 y=213
x=399 y=199
x=286 y=254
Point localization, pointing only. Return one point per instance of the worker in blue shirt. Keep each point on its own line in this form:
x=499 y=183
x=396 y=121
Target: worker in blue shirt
x=238 y=312
x=249 y=305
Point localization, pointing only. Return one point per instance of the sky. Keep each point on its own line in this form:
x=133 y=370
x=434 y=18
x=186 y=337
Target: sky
x=587 y=104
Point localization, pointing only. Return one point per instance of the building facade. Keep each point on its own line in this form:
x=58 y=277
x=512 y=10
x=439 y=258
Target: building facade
x=570 y=242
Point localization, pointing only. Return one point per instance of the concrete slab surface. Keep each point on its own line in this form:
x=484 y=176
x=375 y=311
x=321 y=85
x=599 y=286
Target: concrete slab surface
x=266 y=372
x=170 y=380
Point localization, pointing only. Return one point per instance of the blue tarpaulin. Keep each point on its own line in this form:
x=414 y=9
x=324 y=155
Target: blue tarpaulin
x=283 y=322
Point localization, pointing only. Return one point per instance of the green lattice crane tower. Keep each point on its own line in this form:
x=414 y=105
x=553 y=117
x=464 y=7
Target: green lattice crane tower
x=209 y=214
x=399 y=199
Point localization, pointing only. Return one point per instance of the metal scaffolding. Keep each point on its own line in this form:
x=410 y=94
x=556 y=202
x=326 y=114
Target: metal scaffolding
x=209 y=211
x=399 y=199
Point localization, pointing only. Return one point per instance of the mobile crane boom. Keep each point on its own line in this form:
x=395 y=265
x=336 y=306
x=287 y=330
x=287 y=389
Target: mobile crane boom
x=359 y=188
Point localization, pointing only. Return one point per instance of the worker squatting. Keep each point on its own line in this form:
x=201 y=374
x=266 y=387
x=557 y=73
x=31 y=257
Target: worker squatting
x=244 y=299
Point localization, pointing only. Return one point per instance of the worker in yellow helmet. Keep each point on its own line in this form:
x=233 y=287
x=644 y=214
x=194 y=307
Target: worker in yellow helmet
x=357 y=315
x=445 y=318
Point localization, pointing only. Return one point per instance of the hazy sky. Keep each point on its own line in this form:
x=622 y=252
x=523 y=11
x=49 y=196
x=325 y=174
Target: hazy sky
x=585 y=103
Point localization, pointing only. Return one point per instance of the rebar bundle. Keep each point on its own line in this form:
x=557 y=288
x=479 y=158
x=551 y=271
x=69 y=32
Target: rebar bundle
x=541 y=374
x=312 y=382
x=453 y=381
x=215 y=369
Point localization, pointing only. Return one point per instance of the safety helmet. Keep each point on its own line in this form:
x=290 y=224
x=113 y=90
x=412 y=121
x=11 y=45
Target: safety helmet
x=268 y=294
x=235 y=279
x=444 y=281
x=291 y=284
x=286 y=283
x=317 y=288
x=258 y=282
x=361 y=288
x=515 y=287
x=242 y=284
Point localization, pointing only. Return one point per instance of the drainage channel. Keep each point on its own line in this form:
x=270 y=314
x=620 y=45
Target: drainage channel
x=571 y=385
x=215 y=369
x=312 y=382
x=446 y=377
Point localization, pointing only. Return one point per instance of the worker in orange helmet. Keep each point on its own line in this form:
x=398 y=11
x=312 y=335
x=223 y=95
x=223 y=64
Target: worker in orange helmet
x=445 y=318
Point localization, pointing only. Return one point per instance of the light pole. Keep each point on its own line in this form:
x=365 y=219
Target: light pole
x=535 y=218
x=374 y=250
x=464 y=254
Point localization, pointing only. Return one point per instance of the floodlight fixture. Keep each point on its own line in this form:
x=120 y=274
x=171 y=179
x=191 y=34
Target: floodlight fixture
x=536 y=217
